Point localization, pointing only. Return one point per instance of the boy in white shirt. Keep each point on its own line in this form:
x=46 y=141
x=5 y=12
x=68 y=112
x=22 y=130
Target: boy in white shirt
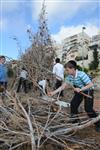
x=22 y=80
x=58 y=71
x=42 y=84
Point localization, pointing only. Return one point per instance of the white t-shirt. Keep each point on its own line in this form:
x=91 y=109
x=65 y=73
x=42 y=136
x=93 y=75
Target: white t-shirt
x=58 y=70
x=43 y=84
x=23 y=74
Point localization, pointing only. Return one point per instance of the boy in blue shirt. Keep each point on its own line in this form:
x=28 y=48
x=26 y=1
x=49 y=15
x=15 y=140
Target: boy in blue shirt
x=3 y=72
x=3 y=77
x=81 y=83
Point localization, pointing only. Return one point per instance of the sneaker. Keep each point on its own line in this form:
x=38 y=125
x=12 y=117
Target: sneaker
x=74 y=119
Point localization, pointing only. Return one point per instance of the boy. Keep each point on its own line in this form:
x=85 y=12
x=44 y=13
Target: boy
x=81 y=83
x=3 y=77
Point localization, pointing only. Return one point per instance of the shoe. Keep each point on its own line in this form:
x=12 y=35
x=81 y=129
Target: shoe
x=74 y=119
x=97 y=129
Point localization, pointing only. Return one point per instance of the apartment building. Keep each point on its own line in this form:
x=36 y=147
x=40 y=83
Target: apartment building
x=80 y=47
x=75 y=47
x=58 y=50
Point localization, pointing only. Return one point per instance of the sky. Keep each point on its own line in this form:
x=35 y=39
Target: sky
x=64 y=18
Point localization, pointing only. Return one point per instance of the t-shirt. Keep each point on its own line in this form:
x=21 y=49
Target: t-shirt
x=58 y=70
x=3 y=73
x=43 y=84
x=80 y=80
x=23 y=74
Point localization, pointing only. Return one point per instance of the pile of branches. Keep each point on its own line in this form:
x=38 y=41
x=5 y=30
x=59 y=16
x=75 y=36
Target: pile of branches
x=34 y=122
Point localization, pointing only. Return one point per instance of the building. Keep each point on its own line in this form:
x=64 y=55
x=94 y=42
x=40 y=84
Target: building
x=58 y=50
x=80 y=47
x=76 y=48
x=94 y=45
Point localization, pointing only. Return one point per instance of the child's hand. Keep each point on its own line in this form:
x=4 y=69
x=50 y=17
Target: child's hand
x=50 y=93
x=77 y=90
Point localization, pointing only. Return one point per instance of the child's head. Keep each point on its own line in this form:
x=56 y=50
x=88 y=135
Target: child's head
x=57 y=60
x=2 y=59
x=70 y=66
x=23 y=68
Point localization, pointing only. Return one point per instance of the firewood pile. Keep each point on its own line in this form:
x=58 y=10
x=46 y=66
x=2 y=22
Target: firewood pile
x=35 y=121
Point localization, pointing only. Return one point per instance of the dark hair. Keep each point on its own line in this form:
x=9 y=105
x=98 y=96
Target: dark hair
x=2 y=57
x=57 y=60
x=71 y=64
x=23 y=68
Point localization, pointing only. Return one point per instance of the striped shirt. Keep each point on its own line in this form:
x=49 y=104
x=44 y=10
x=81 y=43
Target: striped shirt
x=80 y=80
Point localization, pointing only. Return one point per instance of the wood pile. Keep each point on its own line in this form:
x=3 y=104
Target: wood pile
x=34 y=121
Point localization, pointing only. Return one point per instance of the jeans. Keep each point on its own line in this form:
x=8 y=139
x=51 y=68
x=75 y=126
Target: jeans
x=4 y=84
x=22 y=82
x=88 y=105
x=57 y=85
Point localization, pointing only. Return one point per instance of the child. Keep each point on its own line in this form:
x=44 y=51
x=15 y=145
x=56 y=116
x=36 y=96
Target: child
x=81 y=83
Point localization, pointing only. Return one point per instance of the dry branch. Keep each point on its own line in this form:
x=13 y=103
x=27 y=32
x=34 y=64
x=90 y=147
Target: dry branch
x=34 y=121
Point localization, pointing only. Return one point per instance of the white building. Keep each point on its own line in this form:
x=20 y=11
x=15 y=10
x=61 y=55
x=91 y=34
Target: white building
x=80 y=47
x=76 y=47
x=58 y=49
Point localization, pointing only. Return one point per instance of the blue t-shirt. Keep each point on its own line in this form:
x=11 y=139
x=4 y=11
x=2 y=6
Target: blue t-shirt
x=3 y=73
x=80 y=80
